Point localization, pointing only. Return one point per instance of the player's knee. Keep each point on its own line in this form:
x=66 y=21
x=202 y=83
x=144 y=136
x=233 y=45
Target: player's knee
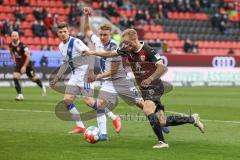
x=89 y=101
x=68 y=99
x=149 y=107
x=101 y=103
x=16 y=76
x=161 y=117
x=15 y=79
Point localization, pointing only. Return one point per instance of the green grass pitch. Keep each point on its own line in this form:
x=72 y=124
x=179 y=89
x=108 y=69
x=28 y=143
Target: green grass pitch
x=26 y=134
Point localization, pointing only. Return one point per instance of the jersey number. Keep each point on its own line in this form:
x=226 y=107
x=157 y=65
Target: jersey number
x=86 y=86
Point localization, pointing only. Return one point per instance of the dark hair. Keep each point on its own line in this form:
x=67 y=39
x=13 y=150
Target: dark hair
x=61 y=25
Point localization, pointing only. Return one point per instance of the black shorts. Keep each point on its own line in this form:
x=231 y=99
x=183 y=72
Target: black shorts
x=154 y=93
x=29 y=70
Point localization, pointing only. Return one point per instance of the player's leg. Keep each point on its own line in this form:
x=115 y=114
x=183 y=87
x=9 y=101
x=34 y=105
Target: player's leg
x=176 y=120
x=70 y=94
x=107 y=100
x=101 y=119
x=16 y=76
x=160 y=110
x=91 y=102
x=107 y=107
x=129 y=93
x=149 y=109
x=31 y=74
x=87 y=90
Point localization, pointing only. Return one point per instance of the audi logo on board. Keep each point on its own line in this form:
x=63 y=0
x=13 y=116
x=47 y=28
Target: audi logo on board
x=224 y=62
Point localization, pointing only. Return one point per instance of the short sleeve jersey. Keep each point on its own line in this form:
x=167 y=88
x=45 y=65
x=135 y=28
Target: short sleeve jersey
x=143 y=62
x=19 y=53
x=105 y=63
x=78 y=48
x=78 y=63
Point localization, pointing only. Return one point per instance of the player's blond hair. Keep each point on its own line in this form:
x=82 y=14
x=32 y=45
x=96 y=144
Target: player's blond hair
x=106 y=27
x=132 y=33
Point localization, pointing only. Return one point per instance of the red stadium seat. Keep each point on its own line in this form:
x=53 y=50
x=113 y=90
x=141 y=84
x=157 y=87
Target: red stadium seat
x=147 y=36
x=115 y=20
x=59 y=4
x=29 y=40
x=24 y=39
x=146 y=28
x=63 y=18
x=10 y=16
x=6 y=9
x=96 y=5
x=28 y=33
x=33 y=3
x=57 y=41
x=39 y=3
x=2 y=16
x=35 y=47
x=13 y=2
x=30 y=17
x=60 y=11
x=50 y=41
x=8 y=40
x=66 y=11
x=26 y=24
x=36 y=40
x=6 y=2
x=44 y=41
x=44 y=3
x=156 y=28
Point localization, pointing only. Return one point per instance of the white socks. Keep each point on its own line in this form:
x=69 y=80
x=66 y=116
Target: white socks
x=102 y=122
x=110 y=114
x=76 y=116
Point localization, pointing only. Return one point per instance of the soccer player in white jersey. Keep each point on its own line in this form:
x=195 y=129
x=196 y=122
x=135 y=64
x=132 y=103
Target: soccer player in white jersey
x=108 y=67
x=71 y=50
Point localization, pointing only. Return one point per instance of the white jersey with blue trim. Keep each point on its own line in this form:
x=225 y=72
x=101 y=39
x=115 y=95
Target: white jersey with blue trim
x=79 y=62
x=105 y=63
x=78 y=48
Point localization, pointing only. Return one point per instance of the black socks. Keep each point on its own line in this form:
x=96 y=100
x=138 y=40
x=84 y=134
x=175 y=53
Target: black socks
x=17 y=86
x=38 y=82
x=178 y=120
x=156 y=126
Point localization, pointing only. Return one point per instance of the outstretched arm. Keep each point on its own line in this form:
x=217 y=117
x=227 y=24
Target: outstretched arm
x=101 y=53
x=59 y=74
x=112 y=70
x=87 y=29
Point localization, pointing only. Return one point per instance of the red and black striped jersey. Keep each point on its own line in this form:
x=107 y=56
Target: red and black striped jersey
x=143 y=62
x=19 y=52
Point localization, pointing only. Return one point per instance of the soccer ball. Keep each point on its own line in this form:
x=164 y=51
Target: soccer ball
x=92 y=134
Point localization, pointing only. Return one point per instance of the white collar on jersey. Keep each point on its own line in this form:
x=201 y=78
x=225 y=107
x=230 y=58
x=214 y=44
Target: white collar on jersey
x=16 y=44
x=140 y=47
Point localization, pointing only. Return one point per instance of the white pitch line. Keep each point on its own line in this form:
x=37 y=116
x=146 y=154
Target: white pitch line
x=24 y=110
x=42 y=111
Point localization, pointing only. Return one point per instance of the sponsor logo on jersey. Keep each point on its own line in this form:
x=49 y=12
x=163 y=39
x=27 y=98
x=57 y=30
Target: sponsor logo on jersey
x=157 y=56
x=142 y=57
